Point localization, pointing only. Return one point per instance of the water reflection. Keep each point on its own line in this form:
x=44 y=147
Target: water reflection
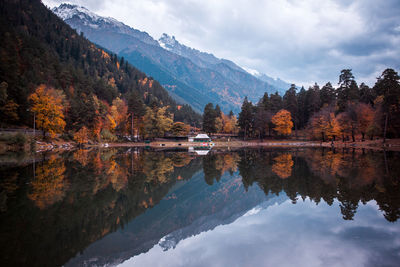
x=106 y=206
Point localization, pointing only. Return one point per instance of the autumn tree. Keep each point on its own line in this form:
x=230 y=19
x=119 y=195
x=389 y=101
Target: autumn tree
x=157 y=121
x=118 y=112
x=346 y=125
x=47 y=104
x=325 y=124
x=228 y=123
x=365 y=116
x=180 y=129
x=81 y=136
x=283 y=122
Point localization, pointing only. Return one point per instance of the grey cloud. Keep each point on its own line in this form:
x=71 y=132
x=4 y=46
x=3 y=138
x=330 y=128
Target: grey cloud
x=300 y=41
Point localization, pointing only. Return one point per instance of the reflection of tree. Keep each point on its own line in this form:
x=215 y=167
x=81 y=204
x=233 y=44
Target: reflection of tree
x=82 y=156
x=210 y=169
x=49 y=185
x=103 y=194
x=181 y=159
x=283 y=165
x=214 y=165
x=350 y=176
x=157 y=167
x=8 y=185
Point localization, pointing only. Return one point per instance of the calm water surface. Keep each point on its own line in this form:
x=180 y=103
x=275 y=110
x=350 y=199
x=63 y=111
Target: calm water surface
x=250 y=207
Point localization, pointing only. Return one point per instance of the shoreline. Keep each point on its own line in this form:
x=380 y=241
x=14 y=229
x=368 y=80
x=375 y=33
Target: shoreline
x=391 y=145
x=60 y=146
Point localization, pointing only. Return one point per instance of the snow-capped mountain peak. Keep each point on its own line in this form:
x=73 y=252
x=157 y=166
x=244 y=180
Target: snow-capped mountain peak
x=168 y=42
x=253 y=72
x=79 y=17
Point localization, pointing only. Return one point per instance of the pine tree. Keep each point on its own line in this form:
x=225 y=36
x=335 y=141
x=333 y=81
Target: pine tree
x=290 y=103
x=209 y=118
x=246 y=118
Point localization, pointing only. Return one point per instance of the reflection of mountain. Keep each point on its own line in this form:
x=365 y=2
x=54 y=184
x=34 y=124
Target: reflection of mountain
x=225 y=216
x=188 y=209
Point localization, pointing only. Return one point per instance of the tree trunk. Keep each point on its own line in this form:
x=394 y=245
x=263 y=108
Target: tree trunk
x=363 y=139
x=384 y=131
x=323 y=136
x=343 y=138
x=352 y=135
x=295 y=129
x=132 y=126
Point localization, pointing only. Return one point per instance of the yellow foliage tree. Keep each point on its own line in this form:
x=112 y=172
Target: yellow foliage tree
x=157 y=122
x=47 y=104
x=180 y=129
x=283 y=122
x=325 y=124
x=119 y=112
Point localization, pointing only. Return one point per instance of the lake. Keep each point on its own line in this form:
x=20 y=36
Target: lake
x=245 y=207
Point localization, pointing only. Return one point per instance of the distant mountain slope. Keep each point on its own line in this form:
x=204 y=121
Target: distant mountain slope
x=37 y=47
x=192 y=76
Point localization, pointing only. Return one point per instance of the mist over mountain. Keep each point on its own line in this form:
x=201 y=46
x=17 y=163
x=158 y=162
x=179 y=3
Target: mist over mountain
x=191 y=76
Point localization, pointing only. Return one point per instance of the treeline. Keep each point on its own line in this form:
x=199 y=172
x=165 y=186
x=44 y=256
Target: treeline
x=328 y=113
x=39 y=48
x=215 y=121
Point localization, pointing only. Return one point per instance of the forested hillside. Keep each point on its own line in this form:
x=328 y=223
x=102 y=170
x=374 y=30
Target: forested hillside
x=39 y=48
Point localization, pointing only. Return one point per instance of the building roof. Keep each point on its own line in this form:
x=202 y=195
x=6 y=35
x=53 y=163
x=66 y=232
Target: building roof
x=202 y=136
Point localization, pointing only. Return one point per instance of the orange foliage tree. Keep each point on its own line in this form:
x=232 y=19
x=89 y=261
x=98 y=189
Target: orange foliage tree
x=229 y=123
x=325 y=124
x=283 y=122
x=365 y=117
x=119 y=112
x=47 y=104
x=81 y=136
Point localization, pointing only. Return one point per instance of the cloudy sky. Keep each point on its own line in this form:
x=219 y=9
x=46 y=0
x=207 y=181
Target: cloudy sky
x=299 y=41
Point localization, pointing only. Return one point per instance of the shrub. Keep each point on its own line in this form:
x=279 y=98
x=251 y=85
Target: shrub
x=106 y=135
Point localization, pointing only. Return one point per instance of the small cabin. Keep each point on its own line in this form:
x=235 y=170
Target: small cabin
x=202 y=138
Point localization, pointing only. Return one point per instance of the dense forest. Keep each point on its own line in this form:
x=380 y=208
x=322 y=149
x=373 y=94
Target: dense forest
x=67 y=82
x=327 y=113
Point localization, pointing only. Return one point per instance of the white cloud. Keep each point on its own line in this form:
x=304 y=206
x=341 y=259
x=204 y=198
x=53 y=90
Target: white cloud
x=299 y=41
x=303 y=234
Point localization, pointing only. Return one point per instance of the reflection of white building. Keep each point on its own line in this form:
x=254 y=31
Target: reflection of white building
x=201 y=152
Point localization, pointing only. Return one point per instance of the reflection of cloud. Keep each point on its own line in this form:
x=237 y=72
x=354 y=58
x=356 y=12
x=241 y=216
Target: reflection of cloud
x=288 y=235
